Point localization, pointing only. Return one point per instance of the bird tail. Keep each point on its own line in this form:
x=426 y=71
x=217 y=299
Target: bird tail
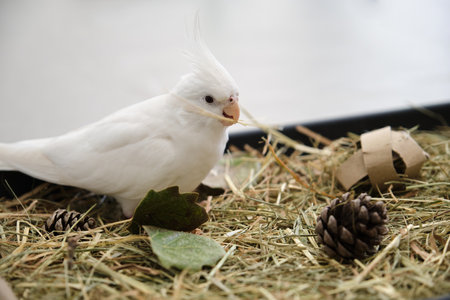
x=27 y=157
x=4 y=166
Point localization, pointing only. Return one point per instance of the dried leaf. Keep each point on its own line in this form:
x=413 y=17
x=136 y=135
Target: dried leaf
x=169 y=209
x=204 y=191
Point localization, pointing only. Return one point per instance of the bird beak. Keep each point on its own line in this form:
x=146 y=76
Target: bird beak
x=231 y=111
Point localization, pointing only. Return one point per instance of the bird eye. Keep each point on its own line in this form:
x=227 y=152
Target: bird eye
x=209 y=99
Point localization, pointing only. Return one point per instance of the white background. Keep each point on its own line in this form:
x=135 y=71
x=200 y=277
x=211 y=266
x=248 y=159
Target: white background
x=65 y=63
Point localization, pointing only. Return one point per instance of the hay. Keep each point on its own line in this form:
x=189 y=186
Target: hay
x=266 y=224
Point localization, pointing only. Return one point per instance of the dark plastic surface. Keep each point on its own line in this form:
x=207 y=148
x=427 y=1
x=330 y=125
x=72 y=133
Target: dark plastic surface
x=427 y=118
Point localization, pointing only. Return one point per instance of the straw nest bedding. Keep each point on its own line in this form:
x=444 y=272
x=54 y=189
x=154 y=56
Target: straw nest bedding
x=265 y=222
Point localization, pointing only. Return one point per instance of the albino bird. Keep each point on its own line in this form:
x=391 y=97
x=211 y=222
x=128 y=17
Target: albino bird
x=170 y=140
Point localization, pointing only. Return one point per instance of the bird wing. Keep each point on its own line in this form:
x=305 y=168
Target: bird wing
x=108 y=156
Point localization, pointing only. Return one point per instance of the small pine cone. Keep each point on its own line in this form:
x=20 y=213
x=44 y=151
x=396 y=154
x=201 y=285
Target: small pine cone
x=62 y=220
x=352 y=228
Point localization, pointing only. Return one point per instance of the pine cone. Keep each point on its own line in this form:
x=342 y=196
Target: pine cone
x=62 y=220
x=352 y=228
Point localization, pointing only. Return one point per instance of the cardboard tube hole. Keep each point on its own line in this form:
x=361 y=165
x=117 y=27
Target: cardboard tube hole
x=399 y=164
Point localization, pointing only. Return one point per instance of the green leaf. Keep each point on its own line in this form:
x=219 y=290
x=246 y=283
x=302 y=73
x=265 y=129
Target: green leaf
x=169 y=209
x=183 y=250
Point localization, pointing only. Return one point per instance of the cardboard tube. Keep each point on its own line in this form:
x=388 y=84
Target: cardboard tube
x=352 y=170
x=377 y=154
x=409 y=151
x=375 y=159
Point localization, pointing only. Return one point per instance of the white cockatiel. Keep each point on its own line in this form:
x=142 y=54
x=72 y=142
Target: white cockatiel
x=169 y=140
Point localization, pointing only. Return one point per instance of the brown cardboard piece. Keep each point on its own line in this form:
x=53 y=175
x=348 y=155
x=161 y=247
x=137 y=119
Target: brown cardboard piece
x=377 y=154
x=410 y=152
x=352 y=170
x=376 y=161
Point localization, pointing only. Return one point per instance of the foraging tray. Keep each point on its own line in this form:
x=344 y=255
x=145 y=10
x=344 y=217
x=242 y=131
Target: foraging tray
x=266 y=226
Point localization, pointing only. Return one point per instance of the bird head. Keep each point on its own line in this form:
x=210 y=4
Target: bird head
x=209 y=86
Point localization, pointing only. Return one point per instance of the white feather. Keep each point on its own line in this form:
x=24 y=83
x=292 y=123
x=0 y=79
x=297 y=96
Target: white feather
x=160 y=142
